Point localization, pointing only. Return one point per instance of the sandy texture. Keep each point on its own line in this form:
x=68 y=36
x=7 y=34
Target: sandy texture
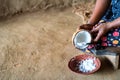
x=83 y=8
x=37 y=46
x=11 y=7
x=8 y=7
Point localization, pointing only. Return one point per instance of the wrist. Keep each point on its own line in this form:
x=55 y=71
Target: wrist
x=109 y=24
x=114 y=24
x=90 y=23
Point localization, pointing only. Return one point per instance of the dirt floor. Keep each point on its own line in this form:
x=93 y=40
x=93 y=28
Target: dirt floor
x=38 y=46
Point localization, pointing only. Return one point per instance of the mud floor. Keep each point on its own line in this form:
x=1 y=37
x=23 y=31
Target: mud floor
x=38 y=46
x=11 y=7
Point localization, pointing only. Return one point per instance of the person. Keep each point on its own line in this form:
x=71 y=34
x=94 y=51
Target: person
x=108 y=30
x=106 y=33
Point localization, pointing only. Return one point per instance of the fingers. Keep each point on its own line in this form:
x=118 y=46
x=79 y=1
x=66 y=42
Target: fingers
x=80 y=27
x=86 y=27
x=100 y=33
x=95 y=29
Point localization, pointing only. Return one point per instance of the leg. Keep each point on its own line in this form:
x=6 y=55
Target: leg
x=111 y=43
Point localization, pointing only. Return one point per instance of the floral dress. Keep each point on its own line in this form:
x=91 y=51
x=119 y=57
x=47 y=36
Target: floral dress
x=112 y=38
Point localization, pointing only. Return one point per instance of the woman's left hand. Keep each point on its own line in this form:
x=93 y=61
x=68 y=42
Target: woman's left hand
x=100 y=29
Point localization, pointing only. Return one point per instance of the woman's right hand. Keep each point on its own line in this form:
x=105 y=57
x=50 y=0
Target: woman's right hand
x=86 y=27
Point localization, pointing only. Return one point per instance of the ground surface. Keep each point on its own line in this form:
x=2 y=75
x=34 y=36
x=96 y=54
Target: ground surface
x=37 y=46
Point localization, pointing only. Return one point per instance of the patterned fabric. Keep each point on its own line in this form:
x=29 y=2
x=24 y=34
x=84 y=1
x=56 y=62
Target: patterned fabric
x=112 y=38
x=113 y=12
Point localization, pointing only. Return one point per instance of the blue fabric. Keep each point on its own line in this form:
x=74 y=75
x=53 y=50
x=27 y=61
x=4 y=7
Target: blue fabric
x=113 y=12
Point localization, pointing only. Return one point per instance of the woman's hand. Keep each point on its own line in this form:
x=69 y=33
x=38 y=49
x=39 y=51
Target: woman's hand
x=100 y=29
x=86 y=27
